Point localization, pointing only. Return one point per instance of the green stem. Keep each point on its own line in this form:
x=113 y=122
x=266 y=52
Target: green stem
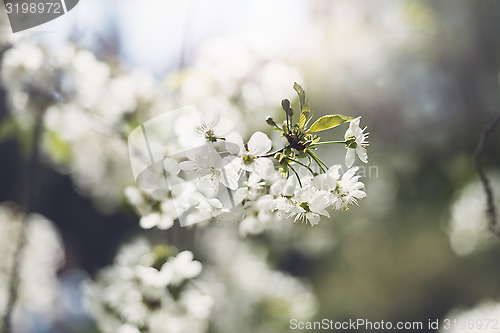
x=272 y=154
x=302 y=164
x=318 y=161
x=296 y=174
x=326 y=143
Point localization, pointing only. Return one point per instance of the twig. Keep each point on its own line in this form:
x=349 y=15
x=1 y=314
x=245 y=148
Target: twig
x=490 y=205
x=29 y=198
x=272 y=154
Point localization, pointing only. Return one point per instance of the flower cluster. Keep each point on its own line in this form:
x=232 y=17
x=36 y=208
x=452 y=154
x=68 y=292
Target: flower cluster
x=219 y=176
x=152 y=289
x=251 y=294
x=148 y=289
x=89 y=105
x=86 y=106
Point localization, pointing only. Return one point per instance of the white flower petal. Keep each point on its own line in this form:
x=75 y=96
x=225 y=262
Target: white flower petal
x=187 y=166
x=350 y=173
x=150 y=220
x=349 y=157
x=313 y=218
x=262 y=166
x=240 y=195
x=234 y=143
x=259 y=144
x=290 y=187
x=323 y=212
x=223 y=128
x=362 y=154
x=353 y=127
x=165 y=222
x=319 y=202
x=251 y=225
x=230 y=175
x=171 y=166
x=210 y=119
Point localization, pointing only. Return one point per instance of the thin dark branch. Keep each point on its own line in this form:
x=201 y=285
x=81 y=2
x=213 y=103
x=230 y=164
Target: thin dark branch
x=30 y=192
x=490 y=205
x=272 y=154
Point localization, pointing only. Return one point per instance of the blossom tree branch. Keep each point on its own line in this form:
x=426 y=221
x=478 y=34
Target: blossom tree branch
x=490 y=209
x=30 y=191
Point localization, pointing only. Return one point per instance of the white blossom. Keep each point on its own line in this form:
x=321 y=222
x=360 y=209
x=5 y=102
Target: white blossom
x=183 y=267
x=43 y=255
x=251 y=159
x=480 y=318
x=310 y=203
x=358 y=146
x=348 y=191
x=134 y=293
x=210 y=168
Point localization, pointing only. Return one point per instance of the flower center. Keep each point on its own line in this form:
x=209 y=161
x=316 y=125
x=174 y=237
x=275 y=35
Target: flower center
x=350 y=142
x=305 y=206
x=248 y=159
x=210 y=136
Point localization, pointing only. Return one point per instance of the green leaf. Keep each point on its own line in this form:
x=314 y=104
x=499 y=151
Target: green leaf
x=301 y=93
x=328 y=121
x=305 y=112
x=305 y=115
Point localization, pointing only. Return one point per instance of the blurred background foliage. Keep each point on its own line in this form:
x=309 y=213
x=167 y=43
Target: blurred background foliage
x=422 y=74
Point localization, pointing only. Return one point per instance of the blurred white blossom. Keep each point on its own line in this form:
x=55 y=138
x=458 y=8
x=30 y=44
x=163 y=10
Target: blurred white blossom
x=41 y=258
x=87 y=105
x=483 y=317
x=468 y=224
x=147 y=288
x=252 y=296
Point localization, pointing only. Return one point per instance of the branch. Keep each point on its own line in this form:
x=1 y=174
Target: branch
x=30 y=192
x=490 y=205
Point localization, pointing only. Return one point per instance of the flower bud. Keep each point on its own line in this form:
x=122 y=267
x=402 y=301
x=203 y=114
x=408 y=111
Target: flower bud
x=286 y=107
x=270 y=121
